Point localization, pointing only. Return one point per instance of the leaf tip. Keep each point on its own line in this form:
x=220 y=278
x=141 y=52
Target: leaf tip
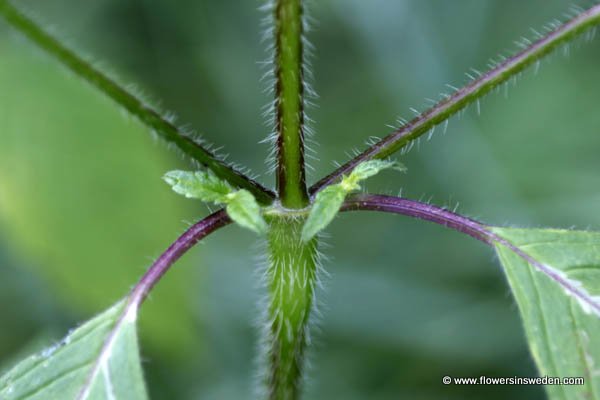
x=172 y=177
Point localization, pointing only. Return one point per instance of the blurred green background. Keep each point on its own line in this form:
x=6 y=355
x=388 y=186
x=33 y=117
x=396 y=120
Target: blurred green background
x=83 y=210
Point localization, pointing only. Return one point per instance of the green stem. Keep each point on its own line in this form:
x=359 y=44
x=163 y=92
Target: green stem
x=289 y=88
x=144 y=113
x=291 y=278
x=470 y=93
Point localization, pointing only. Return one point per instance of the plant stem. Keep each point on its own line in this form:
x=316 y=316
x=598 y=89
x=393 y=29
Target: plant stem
x=291 y=273
x=291 y=279
x=472 y=228
x=416 y=209
x=187 y=240
x=468 y=94
x=144 y=112
x=289 y=90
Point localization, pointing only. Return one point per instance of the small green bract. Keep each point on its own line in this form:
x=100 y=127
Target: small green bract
x=201 y=185
x=243 y=209
x=240 y=204
x=329 y=200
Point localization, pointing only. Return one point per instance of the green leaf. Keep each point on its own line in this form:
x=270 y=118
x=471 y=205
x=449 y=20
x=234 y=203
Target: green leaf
x=371 y=168
x=203 y=185
x=555 y=277
x=99 y=360
x=243 y=209
x=326 y=206
x=329 y=200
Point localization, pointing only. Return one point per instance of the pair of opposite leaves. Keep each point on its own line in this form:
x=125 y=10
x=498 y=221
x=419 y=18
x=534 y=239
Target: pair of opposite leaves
x=242 y=207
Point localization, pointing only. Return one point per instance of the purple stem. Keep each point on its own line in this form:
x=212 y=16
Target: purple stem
x=479 y=231
x=195 y=233
x=416 y=209
x=189 y=238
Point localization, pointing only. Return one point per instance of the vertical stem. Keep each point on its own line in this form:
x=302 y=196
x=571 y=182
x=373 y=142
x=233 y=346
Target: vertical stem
x=450 y=105
x=289 y=89
x=291 y=273
x=291 y=278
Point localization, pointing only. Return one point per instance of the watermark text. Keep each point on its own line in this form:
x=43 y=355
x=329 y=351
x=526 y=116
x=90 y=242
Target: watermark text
x=513 y=380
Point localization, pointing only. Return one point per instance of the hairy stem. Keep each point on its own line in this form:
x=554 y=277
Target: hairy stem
x=416 y=209
x=472 y=228
x=187 y=240
x=142 y=111
x=291 y=278
x=289 y=90
x=139 y=292
x=469 y=93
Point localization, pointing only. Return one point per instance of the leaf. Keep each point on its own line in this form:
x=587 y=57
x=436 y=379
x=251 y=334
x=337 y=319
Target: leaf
x=203 y=185
x=99 y=360
x=242 y=207
x=371 y=168
x=555 y=277
x=244 y=210
x=326 y=206
x=329 y=200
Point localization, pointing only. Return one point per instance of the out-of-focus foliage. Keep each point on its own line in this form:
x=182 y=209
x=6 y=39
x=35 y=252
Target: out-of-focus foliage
x=81 y=194
x=407 y=302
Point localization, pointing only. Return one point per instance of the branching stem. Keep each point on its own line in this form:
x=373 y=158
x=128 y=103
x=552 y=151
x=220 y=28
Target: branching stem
x=472 y=228
x=142 y=111
x=187 y=240
x=469 y=93
x=416 y=209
